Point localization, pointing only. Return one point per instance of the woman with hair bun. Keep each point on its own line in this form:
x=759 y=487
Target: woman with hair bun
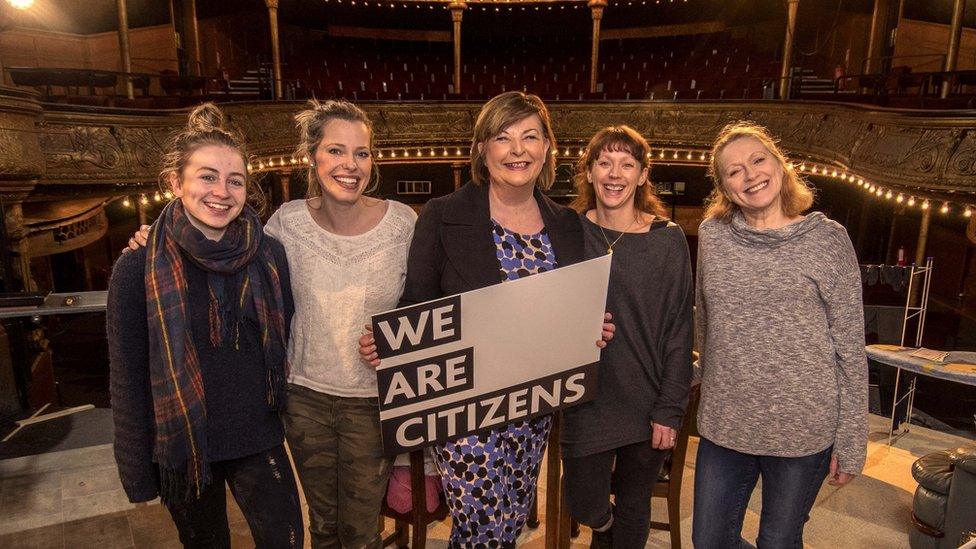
x=347 y=254
x=197 y=328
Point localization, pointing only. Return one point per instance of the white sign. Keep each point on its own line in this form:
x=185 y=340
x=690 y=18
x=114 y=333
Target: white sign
x=481 y=359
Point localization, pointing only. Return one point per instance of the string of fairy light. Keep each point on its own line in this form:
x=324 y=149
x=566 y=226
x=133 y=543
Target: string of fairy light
x=668 y=155
x=495 y=5
x=898 y=196
x=146 y=199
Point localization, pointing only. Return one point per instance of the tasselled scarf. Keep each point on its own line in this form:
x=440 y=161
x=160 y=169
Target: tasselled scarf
x=241 y=274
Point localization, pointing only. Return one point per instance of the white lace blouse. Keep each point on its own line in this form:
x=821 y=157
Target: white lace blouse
x=338 y=282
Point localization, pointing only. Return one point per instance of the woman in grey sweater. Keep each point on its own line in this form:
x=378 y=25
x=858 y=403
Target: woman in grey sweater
x=781 y=328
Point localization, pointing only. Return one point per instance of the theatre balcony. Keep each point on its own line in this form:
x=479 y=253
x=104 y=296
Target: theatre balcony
x=874 y=102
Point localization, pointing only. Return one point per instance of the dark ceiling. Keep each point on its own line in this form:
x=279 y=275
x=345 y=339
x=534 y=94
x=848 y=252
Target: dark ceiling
x=92 y=16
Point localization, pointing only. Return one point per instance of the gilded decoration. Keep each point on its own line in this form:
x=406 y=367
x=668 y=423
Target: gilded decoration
x=898 y=149
x=20 y=155
x=962 y=163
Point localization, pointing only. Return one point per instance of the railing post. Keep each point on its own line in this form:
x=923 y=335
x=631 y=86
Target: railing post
x=952 y=51
x=124 y=47
x=784 y=74
x=275 y=46
x=596 y=12
x=457 y=8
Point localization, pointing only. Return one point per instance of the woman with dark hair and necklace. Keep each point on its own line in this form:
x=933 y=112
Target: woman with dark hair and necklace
x=197 y=328
x=617 y=442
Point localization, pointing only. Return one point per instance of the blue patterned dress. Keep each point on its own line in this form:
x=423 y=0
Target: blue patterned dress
x=490 y=478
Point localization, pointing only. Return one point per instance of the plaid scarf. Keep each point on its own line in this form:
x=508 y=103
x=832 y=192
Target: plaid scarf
x=245 y=275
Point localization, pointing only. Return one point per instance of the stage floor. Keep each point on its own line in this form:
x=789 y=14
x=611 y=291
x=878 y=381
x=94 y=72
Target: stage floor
x=72 y=498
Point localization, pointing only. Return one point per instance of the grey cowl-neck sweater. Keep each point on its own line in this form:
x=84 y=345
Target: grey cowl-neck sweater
x=781 y=334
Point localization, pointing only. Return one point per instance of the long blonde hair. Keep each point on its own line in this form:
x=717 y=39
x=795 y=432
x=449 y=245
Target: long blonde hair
x=796 y=194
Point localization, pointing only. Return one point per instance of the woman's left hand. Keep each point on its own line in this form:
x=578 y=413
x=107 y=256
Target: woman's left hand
x=662 y=437
x=836 y=477
x=608 y=330
x=367 y=348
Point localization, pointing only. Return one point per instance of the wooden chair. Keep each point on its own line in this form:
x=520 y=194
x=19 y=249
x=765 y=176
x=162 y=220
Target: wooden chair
x=417 y=518
x=669 y=482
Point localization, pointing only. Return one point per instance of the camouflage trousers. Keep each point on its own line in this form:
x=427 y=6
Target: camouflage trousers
x=338 y=453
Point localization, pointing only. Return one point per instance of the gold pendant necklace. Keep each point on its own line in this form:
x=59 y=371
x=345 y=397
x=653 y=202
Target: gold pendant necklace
x=610 y=245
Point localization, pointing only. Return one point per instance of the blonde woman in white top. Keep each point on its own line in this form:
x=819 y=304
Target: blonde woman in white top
x=347 y=255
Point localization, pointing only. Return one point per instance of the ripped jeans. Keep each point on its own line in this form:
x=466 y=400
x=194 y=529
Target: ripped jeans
x=264 y=487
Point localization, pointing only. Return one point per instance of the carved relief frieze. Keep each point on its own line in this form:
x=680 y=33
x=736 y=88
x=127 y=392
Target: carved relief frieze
x=893 y=148
x=680 y=125
x=962 y=163
x=266 y=130
x=145 y=146
x=20 y=155
x=422 y=125
x=82 y=149
x=915 y=156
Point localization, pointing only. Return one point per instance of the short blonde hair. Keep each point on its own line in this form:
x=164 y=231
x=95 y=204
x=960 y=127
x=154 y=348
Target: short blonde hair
x=796 y=194
x=623 y=139
x=311 y=124
x=500 y=112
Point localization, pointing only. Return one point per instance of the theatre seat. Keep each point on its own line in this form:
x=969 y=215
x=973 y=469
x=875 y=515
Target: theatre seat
x=418 y=517
x=944 y=507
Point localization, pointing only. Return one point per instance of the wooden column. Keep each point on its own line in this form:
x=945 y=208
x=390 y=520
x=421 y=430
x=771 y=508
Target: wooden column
x=784 y=74
x=457 y=12
x=557 y=513
x=923 y=239
x=18 y=258
x=275 y=46
x=456 y=167
x=876 y=37
x=141 y=214
x=192 y=36
x=923 y=236
x=124 y=46
x=952 y=51
x=596 y=12
x=284 y=190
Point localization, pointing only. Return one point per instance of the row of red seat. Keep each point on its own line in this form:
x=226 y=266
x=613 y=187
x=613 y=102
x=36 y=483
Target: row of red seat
x=713 y=67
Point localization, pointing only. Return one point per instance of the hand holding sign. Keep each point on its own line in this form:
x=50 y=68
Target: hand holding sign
x=367 y=348
x=608 y=330
x=480 y=359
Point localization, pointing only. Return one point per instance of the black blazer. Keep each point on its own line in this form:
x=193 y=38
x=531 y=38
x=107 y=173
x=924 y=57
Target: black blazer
x=453 y=250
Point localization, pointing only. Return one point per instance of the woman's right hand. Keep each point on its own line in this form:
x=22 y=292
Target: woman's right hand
x=367 y=348
x=138 y=239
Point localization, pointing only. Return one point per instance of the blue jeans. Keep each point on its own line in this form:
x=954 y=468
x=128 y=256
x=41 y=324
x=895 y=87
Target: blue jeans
x=724 y=481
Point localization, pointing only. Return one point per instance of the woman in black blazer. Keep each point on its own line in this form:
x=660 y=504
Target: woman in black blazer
x=497 y=227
